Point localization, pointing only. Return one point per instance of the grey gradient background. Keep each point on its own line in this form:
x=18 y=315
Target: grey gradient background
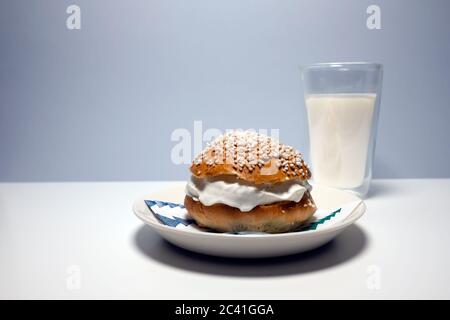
x=100 y=103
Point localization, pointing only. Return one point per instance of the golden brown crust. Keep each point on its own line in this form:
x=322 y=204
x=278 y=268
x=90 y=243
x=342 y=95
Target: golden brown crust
x=269 y=173
x=272 y=218
x=252 y=157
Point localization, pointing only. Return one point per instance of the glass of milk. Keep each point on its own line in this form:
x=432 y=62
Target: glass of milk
x=342 y=102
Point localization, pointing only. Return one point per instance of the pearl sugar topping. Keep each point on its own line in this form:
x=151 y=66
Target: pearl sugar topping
x=248 y=150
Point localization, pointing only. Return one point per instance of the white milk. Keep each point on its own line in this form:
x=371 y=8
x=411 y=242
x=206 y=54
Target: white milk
x=339 y=130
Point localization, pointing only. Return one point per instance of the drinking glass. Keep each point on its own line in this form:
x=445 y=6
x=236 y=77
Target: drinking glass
x=342 y=103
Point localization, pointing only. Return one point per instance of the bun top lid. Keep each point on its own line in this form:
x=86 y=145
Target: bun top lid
x=251 y=157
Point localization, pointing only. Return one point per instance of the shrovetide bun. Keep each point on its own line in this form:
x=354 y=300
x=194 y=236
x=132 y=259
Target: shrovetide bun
x=258 y=162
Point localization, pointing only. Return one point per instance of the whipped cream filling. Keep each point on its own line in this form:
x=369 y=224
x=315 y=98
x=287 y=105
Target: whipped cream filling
x=242 y=195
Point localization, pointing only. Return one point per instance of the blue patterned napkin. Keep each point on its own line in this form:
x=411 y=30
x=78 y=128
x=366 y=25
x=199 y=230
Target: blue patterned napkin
x=175 y=215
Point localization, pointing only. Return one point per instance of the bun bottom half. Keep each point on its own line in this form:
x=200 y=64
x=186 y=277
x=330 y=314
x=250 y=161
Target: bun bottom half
x=271 y=218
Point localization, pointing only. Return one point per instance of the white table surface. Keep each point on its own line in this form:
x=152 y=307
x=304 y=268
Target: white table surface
x=399 y=249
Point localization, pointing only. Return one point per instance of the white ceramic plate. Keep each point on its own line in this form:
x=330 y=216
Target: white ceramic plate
x=254 y=245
